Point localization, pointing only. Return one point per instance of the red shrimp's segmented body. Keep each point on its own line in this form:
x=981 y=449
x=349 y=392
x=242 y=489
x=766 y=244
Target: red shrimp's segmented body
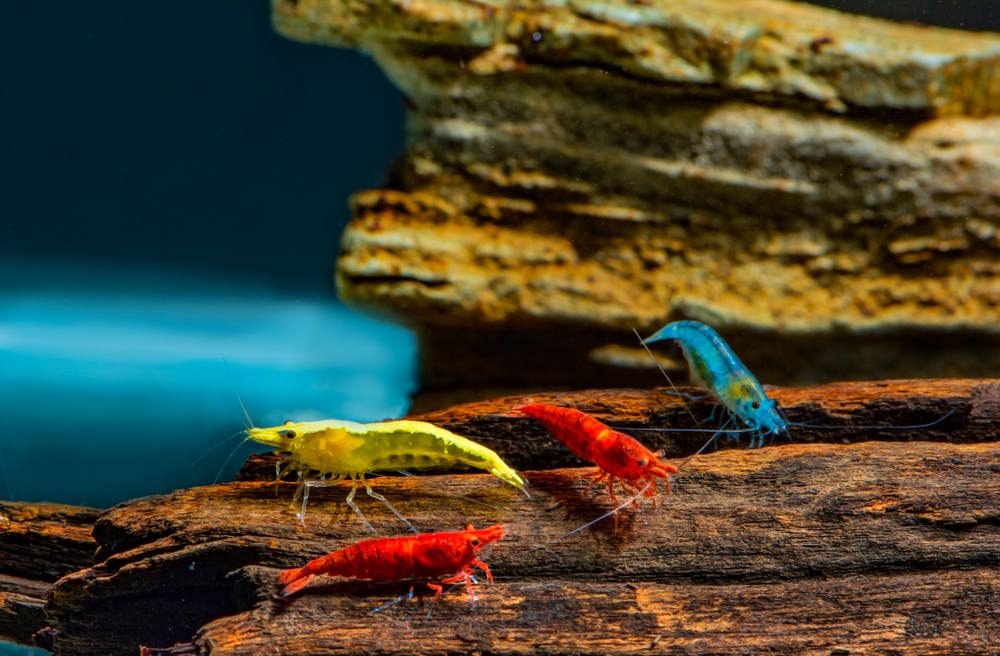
x=423 y=556
x=619 y=456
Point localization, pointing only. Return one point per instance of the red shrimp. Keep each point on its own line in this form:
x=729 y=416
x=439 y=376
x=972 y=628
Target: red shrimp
x=424 y=556
x=618 y=455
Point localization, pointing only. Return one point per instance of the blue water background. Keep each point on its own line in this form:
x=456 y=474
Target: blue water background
x=115 y=381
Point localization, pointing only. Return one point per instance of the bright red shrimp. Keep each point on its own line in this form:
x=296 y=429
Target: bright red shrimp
x=616 y=454
x=424 y=556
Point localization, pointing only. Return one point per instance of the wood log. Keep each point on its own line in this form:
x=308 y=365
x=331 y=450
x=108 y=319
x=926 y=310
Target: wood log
x=806 y=547
x=921 y=613
x=805 y=520
x=39 y=542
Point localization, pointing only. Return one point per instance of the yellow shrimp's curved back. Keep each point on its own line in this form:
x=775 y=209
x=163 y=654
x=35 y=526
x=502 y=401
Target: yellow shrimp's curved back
x=346 y=448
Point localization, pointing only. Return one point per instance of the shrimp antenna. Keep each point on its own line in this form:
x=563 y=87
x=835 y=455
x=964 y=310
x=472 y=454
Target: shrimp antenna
x=213 y=448
x=705 y=445
x=243 y=406
x=884 y=426
x=228 y=458
x=682 y=430
x=609 y=513
x=389 y=604
x=246 y=415
x=665 y=375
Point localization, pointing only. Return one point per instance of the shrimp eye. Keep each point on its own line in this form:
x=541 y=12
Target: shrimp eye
x=755 y=405
x=290 y=434
x=475 y=542
x=642 y=462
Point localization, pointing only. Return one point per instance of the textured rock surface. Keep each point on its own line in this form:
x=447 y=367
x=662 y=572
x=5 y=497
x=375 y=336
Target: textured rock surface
x=789 y=174
x=768 y=47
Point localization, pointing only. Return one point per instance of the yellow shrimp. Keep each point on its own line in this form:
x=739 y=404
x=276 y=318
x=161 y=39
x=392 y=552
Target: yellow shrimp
x=346 y=449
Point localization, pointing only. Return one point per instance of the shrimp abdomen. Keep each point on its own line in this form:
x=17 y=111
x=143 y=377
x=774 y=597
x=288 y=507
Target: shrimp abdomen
x=406 y=444
x=577 y=430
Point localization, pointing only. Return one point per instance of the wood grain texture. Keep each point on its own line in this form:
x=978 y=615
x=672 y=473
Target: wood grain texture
x=39 y=542
x=812 y=546
x=922 y=613
x=797 y=513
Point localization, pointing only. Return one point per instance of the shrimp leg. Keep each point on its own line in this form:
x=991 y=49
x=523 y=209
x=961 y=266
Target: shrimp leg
x=279 y=474
x=437 y=588
x=322 y=482
x=486 y=570
x=354 y=506
x=597 y=478
x=375 y=495
x=687 y=395
x=461 y=577
x=300 y=487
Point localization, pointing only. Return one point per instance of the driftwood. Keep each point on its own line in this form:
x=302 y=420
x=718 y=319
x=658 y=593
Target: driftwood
x=793 y=548
x=39 y=542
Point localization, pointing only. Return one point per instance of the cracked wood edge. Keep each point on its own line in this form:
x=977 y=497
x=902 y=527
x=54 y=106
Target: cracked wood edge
x=39 y=542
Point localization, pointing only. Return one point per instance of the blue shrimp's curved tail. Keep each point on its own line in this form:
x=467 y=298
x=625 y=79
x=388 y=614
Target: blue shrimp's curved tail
x=669 y=331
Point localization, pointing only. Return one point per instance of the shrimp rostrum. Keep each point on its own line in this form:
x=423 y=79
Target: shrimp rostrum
x=324 y=451
x=438 y=558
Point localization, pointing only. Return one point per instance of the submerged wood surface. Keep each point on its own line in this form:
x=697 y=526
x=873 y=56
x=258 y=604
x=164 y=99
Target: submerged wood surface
x=39 y=542
x=794 y=548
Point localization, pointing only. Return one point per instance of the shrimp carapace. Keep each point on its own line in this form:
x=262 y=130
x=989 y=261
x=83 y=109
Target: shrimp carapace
x=619 y=456
x=426 y=556
x=716 y=367
x=347 y=449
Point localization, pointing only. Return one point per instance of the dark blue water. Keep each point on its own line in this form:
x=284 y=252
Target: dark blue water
x=174 y=179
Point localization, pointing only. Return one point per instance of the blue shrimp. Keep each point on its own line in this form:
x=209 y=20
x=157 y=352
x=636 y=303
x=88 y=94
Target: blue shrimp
x=716 y=367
